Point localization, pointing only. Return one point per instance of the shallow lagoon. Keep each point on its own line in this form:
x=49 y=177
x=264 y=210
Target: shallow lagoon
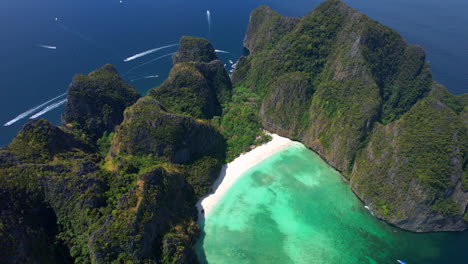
x=294 y=208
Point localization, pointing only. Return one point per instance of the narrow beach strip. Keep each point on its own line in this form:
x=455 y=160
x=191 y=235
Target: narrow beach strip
x=232 y=171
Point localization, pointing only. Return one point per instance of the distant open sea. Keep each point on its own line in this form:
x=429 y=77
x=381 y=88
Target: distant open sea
x=88 y=34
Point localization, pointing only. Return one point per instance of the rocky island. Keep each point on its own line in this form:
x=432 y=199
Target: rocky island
x=118 y=182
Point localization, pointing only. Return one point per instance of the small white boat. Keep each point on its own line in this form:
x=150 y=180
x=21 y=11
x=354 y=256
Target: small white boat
x=401 y=261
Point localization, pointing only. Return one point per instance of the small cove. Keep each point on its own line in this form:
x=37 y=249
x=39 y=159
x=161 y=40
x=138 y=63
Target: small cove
x=294 y=208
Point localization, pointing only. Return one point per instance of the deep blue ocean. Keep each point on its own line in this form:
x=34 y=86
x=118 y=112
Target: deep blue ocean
x=88 y=34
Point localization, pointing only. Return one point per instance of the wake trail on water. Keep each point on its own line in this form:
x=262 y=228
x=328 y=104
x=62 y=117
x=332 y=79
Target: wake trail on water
x=136 y=56
x=32 y=110
x=146 y=77
x=48 y=108
x=222 y=51
x=148 y=62
x=208 y=18
x=47 y=47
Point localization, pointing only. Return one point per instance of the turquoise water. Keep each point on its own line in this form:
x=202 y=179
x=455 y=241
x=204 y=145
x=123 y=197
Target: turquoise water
x=294 y=208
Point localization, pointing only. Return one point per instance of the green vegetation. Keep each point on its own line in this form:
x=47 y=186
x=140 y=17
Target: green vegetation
x=279 y=107
x=420 y=148
x=240 y=123
x=96 y=102
x=465 y=179
x=104 y=143
x=446 y=206
x=189 y=91
x=40 y=141
x=193 y=49
x=428 y=141
x=119 y=182
x=126 y=197
x=150 y=130
x=354 y=91
x=198 y=83
x=304 y=49
x=398 y=69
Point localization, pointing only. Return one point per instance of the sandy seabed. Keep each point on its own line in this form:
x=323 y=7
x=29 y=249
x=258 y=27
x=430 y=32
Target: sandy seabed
x=232 y=171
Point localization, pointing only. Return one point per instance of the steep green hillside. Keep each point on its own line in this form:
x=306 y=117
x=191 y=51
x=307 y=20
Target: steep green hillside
x=198 y=83
x=109 y=186
x=410 y=172
x=118 y=183
x=96 y=101
x=334 y=78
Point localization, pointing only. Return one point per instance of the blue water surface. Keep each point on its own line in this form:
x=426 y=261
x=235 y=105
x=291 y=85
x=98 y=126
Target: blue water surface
x=90 y=33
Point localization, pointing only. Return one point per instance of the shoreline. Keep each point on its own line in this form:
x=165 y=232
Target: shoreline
x=232 y=171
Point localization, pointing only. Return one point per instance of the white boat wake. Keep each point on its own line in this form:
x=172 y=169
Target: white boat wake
x=136 y=56
x=148 y=62
x=208 y=18
x=221 y=51
x=32 y=110
x=146 y=77
x=47 y=47
x=48 y=108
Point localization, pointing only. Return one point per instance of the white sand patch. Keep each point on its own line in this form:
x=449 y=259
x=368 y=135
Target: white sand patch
x=232 y=171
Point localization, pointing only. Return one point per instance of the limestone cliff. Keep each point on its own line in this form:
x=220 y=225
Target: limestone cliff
x=149 y=129
x=109 y=186
x=340 y=83
x=96 y=101
x=198 y=83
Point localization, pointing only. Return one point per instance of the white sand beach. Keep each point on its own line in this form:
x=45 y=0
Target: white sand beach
x=233 y=170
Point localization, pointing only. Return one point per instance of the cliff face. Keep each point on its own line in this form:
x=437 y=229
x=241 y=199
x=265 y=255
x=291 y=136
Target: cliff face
x=411 y=170
x=96 y=101
x=148 y=129
x=112 y=185
x=198 y=83
x=341 y=83
x=145 y=219
x=46 y=183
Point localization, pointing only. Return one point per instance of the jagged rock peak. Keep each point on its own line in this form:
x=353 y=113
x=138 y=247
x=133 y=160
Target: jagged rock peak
x=194 y=49
x=148 y=129
x=40 y=139
x=96 y=102
x=198 y=83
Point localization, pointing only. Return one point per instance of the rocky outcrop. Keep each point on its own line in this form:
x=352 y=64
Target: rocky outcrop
x=336 y=80
x=64 y=199
x=28 y=226
x=96 y=102
x=193 y=49
x=40 y=140
x=37 y=180
x=149 y=129
x=410 y=172
x=144 y=225
x=266 y=27
x=198 y=83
